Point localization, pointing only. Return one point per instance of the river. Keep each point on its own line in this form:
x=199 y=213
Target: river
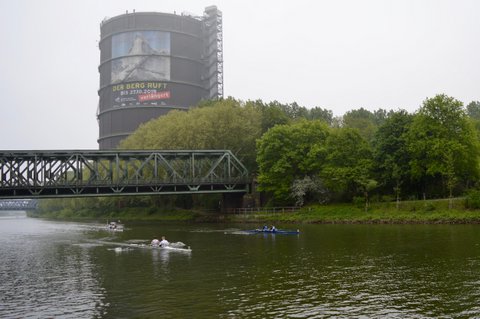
x=51 y=269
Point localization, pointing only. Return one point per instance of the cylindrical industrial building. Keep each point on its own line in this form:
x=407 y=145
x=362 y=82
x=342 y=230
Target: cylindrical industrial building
x=151 y=63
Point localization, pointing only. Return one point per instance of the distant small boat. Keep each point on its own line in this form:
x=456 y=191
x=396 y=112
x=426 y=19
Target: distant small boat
x=114 y=226
x=275 y=231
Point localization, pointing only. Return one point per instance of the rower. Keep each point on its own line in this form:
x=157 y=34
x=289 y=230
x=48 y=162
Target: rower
x=155 y=242
x=164 y=242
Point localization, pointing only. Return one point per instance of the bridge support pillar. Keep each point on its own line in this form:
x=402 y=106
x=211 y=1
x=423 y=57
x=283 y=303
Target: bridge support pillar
x=231 y=201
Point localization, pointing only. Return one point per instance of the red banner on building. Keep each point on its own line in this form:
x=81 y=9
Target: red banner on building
x=154 y=96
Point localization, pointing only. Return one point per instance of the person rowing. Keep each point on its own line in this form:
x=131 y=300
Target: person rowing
x=164 y=242
x=155 y=242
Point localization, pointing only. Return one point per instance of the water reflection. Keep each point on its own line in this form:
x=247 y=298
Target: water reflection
x=161 y=269
x=43 y=274
x=160 y=256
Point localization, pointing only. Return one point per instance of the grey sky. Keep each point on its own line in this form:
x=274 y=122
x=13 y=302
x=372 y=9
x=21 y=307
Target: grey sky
x=340 y=55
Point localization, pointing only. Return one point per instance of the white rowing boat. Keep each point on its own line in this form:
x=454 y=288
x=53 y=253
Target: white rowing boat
x=172 y=247
x=114 y=226
x=178 y=246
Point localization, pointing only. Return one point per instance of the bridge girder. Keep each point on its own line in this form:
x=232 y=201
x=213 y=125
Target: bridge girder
x=43 y=174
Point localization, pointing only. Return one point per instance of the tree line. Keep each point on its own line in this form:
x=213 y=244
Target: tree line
x=299 y=155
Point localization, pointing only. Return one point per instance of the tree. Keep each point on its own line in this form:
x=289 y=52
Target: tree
x=308 y=188
x=442 y=143
x=318 y=113
x=271 y=114
x=294 y=111
x=473 y=110
x=348 y=166
x=391 y=156
x=380 y=116
x=225 y=124
x=362 y=120
x=289 y=152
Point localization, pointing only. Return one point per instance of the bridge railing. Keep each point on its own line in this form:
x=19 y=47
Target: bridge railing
x=93 y=173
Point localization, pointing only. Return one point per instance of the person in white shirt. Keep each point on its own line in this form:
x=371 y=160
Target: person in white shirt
x=155 y=242
x=164 y=242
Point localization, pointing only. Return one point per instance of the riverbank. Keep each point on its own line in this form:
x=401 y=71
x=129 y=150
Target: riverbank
x=407 y=212
x=415 y=213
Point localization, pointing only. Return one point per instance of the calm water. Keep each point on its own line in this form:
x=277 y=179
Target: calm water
x=62 y=270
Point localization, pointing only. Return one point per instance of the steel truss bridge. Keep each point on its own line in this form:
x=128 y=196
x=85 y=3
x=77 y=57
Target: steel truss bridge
x=44 y=174
x=18 y=204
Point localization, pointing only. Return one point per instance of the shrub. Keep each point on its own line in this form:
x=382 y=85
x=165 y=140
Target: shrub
x=472 y=200
x=359 y=201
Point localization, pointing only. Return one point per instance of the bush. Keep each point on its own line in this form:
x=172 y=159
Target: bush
x=388 y=198
x=430 y=207
x=472 y=200
x=359 y=201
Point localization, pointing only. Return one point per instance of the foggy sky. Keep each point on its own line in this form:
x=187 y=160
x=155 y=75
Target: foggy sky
x=339 y=55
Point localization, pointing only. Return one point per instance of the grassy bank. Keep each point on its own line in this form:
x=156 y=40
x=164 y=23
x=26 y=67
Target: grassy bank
x=429 y=211
x=124 y=214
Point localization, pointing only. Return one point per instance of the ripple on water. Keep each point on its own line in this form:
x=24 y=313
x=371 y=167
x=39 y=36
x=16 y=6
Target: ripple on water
x=49 y=275
x=43 y=275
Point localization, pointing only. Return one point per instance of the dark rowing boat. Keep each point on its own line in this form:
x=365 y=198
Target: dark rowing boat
x=274 y=232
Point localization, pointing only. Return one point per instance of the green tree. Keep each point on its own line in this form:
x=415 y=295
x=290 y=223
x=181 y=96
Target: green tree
x=318 y=113
x=473 y=110
x=391 y=156
x=287 y=153
x=362 y=120
x=224 y=124
x=348 y=166
x=294 y=111
x=442 y=143
x=271 y=114
x=380 y=116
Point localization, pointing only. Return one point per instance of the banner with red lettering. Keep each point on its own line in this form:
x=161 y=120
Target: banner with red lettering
x=135 y=93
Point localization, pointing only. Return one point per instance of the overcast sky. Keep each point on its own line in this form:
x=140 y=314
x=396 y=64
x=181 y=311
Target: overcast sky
x=338 y=54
